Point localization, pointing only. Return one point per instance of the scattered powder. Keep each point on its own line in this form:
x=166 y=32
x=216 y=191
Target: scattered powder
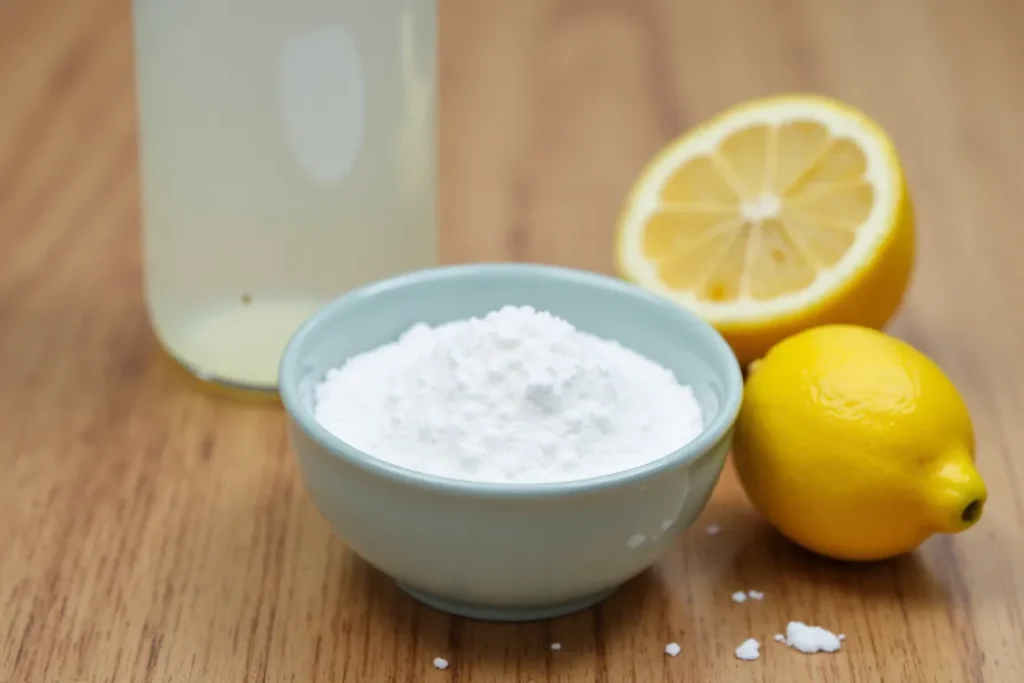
x=440 y=663
x=518 y=395
x=810 y=639
x=749 y=650
x=713 y=529
x=635 y=541
x=743 y=596
x=667 y=524
x=672 y=649
x=556 y=646
x=779 y=638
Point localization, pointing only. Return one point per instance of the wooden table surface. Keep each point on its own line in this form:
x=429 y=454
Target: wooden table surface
x=150 y=531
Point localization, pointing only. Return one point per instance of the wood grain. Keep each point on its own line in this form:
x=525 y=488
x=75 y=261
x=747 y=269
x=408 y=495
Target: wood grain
x=150 y=531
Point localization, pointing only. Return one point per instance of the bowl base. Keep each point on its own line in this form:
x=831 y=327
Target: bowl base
x=485 y=612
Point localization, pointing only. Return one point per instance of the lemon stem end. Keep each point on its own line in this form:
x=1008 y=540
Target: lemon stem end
x=972 y=513
x=957 y=494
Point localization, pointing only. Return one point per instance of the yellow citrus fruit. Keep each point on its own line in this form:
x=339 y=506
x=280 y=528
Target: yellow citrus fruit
x=855 y=445
x=774 y=216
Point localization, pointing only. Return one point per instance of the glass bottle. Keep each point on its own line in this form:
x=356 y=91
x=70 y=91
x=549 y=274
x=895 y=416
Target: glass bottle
x=287 y=154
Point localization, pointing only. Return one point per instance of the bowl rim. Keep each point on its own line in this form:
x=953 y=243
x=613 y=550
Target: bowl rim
x=701 y=445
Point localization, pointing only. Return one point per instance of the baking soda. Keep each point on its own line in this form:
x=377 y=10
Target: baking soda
x=518 y=395
x=811 y=639
x=749 y=650
x=743 y=596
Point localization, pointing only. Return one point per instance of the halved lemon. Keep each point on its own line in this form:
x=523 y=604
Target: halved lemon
x=774 y=216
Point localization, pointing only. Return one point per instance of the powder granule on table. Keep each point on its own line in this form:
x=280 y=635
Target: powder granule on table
x=713 y=529
x=518 y=395
x=749 y=650
x=673 y=649
x=811 y=639
x=440 y=663
x=755 y=595
x=739 y=596
x=556 y=646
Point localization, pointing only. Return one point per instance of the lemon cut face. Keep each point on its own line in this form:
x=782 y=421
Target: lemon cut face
x=772 y=211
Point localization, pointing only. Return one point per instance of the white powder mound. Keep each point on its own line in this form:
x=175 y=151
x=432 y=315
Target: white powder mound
x=755 y=595
x=440 y=663
x=811 y=639
x=516 y=396
x=673 y=649
x=739 y=596
x=749 y=650
x=556 y=646
x=713 y=529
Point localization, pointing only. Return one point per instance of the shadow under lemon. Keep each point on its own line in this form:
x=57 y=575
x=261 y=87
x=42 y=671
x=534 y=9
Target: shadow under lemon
x=746 y=553
x=766 y=557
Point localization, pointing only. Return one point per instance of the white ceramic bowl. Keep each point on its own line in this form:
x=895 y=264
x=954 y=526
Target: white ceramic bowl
x=510 y=551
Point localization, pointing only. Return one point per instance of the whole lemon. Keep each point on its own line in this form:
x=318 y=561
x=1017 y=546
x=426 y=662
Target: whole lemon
x=855 y=445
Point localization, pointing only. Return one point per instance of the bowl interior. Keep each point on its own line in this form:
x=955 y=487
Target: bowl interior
x=603 y=306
